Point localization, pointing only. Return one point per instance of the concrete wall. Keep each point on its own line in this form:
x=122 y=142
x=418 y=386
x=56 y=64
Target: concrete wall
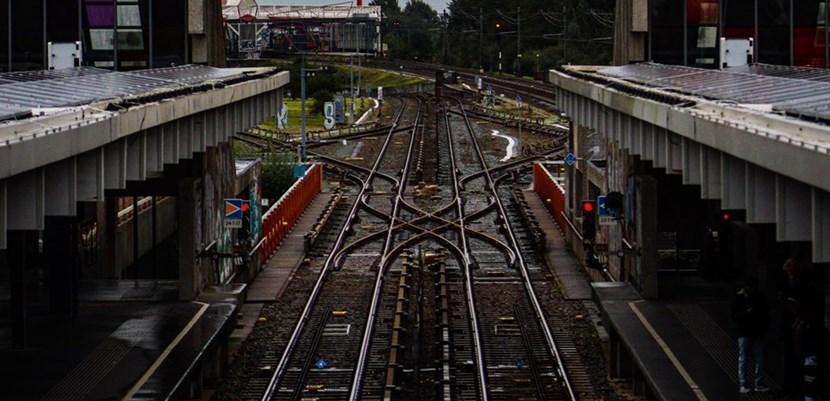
x=166 y=226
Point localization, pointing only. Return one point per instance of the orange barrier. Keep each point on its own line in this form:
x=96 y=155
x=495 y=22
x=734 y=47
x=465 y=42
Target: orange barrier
x=551 y=193
x=278 y=221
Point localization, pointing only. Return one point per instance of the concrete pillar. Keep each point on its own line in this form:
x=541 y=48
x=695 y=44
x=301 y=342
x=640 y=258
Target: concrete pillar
x=644 y=274
x=107 y=217
x=60 y=246
x=189 y=238
x=18 y=256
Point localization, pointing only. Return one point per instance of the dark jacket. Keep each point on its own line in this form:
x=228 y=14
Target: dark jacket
x=751 y=314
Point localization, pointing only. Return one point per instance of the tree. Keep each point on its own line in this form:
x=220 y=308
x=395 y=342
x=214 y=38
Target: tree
x=320 y=98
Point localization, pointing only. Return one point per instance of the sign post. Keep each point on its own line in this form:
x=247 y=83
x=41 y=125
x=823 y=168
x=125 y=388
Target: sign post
x=233 y=213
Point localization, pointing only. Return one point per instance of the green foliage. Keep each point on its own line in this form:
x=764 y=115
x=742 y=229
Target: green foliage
x=320 y=98
x=277 y=174
x=560 y=31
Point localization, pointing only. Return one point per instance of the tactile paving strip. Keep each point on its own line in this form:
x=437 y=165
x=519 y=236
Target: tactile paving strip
x=97 y=365
x=720 y=345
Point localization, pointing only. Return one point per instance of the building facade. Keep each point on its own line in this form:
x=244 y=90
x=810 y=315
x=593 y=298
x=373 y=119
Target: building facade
x=114 y=34
x=688 y=32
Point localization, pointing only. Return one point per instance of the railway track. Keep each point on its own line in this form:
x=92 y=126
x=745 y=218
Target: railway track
x=421 y=296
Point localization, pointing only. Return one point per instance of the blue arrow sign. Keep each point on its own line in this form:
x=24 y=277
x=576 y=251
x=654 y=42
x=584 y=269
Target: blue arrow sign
x=320 y=364
x=601 y=210
x=570 y=159
x=233 y=208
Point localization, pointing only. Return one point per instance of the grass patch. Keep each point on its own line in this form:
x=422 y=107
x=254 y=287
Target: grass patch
x=386 y=79
x=313 y=121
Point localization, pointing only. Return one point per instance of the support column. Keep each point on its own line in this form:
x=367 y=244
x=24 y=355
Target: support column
x=107 y=234
x=60 y=246
x=189 y=239
x=644 y=273
x=18 y=256
x=136 y=252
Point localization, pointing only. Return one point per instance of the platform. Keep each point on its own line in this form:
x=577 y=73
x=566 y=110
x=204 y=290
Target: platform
x=135 y=339
x=573 y=282
x=681 y=347
x=126 y=340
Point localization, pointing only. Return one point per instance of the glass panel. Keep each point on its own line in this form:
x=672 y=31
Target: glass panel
x=100 y=39
x=100 y=16
x=739 y=19
x=169 y=24
x=709 y=13
x=666 y=31
x=129 y=16
x=707 y=37
x=809 y=33
x=702 y=18
x=27 y=35
x=773 y=32
x=62 y=21
x=4 y=35
x=130 y=39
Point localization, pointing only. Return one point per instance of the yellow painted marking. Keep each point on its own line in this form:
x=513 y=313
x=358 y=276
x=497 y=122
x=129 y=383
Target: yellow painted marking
x=166 y=352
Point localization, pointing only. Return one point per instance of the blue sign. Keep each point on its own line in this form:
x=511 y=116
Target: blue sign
x=299 y=170
x=518 y=101
x=339 y=109
x=601 y=210
x=320 y=364
x=520 y=363
x=233 y=209
x=570 y=159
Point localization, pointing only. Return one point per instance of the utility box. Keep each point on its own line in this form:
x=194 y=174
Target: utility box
x=736 y=52
x=64 y=55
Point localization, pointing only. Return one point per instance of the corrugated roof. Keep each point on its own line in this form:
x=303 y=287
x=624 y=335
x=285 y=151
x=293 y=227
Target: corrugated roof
x=785 y=71
x=22 y=91
x=796 y=90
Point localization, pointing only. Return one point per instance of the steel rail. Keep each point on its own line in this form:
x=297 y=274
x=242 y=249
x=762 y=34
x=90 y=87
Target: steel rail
x=468 y=273
x=315 y=292
x=354 y=393
x=523 y=267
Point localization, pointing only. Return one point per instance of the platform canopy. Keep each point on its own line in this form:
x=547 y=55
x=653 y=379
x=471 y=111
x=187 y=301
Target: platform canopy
x=20 y=92
x=797 y=91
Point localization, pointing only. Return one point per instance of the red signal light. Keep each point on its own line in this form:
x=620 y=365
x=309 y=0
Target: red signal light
x=245 y=207
x=588 y=206
x=725 y=216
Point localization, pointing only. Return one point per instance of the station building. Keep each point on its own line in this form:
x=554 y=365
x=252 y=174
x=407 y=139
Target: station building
x=257 y=30
x=689 y=32
x=112 y=34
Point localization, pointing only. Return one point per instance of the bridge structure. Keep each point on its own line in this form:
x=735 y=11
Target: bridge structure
x=264 y=31
x=72 y=142
x=746 y=143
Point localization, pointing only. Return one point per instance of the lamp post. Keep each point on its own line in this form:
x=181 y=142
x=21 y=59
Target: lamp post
x=351 y=81
x=537 y=62
x=303 y=137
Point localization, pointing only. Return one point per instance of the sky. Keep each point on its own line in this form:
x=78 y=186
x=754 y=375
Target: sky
x=437 y=5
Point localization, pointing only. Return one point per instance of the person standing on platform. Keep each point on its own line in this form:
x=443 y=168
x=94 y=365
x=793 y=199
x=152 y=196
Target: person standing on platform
x=800 y=311
x=750 y=311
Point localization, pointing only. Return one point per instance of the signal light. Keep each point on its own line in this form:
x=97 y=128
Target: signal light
x=245 y=207
x=498 y=25
x=725 y=216
x=588 y=207
x=589 y=228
